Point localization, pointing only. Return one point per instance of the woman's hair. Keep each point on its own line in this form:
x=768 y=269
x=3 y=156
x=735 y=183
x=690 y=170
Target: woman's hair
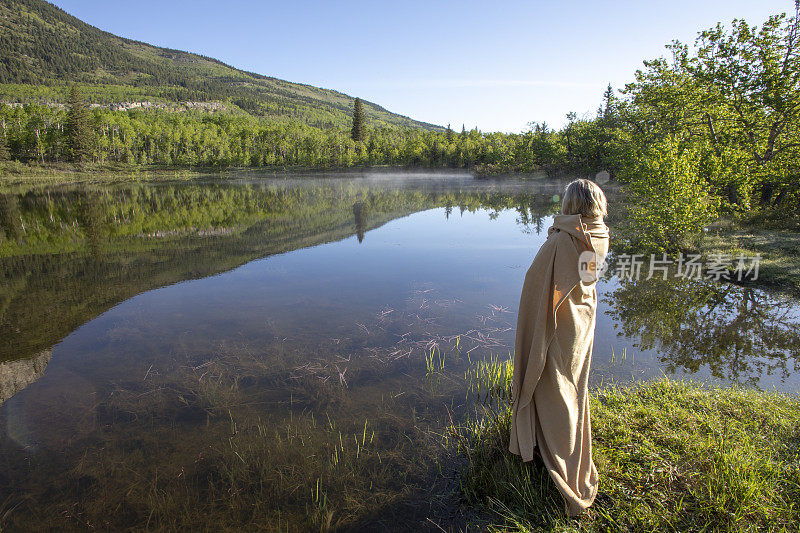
x=584 y=197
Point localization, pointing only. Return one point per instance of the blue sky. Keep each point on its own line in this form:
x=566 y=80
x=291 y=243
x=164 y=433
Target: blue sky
x=494 y=65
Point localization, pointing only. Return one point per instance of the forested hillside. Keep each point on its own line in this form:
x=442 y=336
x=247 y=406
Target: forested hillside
x=712 y=129
x=43 y=50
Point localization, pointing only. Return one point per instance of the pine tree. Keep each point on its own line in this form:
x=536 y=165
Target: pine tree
x=359 y=128
x=463 y=132
x=359 y=212
x=76 y=128
x=609 y=101
x=449 y=134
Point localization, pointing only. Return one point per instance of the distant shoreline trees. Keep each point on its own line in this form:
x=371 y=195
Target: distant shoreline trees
x=199 y=139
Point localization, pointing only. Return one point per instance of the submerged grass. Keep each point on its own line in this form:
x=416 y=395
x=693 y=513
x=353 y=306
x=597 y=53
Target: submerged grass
x=311 y=435
x=193 y=447
x=672 y=456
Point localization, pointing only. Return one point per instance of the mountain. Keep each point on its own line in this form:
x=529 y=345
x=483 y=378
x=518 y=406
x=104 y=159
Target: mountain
x=43 y=49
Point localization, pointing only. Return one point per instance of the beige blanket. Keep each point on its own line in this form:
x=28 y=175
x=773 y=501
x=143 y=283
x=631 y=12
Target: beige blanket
x=552 y=356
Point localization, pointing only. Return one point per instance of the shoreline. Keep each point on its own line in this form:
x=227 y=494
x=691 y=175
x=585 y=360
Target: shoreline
x=14 y=175
x=779 y=248
x=19 y=174
x=672 y=455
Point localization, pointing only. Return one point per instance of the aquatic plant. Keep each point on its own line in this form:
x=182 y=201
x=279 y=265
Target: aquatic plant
x=490 y=380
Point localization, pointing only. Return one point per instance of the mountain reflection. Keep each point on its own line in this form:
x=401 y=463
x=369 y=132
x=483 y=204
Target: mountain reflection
x=69 y=254
x=16 y=375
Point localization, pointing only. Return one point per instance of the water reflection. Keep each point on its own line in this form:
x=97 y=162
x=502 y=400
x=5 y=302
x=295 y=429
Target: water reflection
x=231 y=349
x=91 y=218
x=69 y=255
x=10 y=219
x=359 y=212
x=739 y=334
x=16 y=375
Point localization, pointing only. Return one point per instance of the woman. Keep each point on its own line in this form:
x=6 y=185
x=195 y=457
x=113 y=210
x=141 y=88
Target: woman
x=553 y=351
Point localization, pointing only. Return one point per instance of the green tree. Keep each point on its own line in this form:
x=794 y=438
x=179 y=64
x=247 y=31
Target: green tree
x=4 y=153
x=735 y=101
x=607 y=110
x=671 y=202
x=78 y=135
x=539 y=150
x=749 y=80
x=358 y=133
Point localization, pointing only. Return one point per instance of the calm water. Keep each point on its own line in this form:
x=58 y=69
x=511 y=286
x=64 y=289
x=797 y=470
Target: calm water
x=283 y=352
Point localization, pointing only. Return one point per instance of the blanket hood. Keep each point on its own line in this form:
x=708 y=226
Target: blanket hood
x=580 y=227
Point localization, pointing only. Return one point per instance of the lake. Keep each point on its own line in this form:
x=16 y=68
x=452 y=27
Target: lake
x=285 y=352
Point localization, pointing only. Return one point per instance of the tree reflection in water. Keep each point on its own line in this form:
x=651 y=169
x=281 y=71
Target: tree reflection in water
x=738 y=333
x=69 y=254
x=205 y=396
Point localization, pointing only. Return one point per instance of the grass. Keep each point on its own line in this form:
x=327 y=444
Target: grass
x=489 y=381
x=192 y=448
x=672 y=456
x=16 y=177
x=779 y=246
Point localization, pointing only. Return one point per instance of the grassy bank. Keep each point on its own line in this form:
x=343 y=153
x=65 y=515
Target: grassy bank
x=778 y=244
x=672 y=456
x=19 y=177
x=16 y=176
x=775 y=236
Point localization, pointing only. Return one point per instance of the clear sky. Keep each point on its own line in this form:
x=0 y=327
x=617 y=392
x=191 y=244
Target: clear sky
x=494 y=65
